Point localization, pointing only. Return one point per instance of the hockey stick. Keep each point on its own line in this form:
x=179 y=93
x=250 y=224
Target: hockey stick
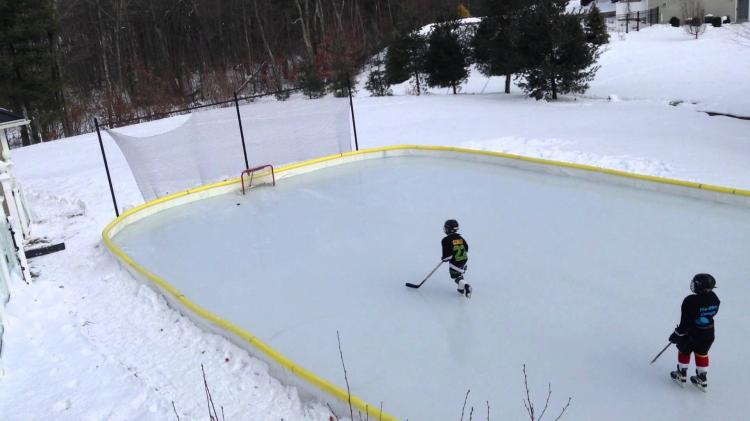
x=662 y=351
x=410 y=285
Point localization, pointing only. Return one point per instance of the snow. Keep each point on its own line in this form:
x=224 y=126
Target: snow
x=662 y=62
x=85 y=341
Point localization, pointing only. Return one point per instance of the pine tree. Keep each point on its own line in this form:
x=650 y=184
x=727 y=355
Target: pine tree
x=596 y=27
x=405 y=58
x=377 y=83
x=495 y=46
x=313 y=86
x=446 y=59
x=342 y=78
x=28 y=80
x=560 y=60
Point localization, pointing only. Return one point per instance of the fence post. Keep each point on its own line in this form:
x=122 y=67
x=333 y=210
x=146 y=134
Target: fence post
x=106 y=167
x=351 y=106
x=242 y=133
x=638 y=21
x=627 y=22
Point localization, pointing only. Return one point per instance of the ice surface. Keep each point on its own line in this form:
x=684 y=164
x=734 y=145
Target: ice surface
x=580 y=281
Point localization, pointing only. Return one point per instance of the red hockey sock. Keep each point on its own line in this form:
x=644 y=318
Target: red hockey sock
x=685 y=358
x=701 y=361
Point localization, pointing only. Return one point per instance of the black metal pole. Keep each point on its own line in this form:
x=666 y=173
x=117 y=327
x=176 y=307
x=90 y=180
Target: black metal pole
x=242 y=133
x=351 y=105
x=627 y=22
x=106 y=167
x=638 y=21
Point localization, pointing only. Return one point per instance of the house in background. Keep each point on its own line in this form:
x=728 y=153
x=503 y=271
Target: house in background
x=735 y=10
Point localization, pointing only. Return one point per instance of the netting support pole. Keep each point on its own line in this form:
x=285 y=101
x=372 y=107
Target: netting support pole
x=242 y=133
x=106 y=167
x=351 y=105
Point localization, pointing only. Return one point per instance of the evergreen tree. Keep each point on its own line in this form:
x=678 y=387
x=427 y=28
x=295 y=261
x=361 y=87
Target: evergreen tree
x=29 y=80
x=446 y=59
x=495 y=46
x=596 y=27
x=377 y=83
x=341 y=78
x=560 y=60
x=313 y=86
x=405 y=58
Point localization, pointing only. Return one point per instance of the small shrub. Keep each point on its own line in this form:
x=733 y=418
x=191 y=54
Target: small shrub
x=675 y=21
x=716 y=21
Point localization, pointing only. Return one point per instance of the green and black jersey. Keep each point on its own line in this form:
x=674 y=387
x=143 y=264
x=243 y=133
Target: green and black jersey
x=455 y=247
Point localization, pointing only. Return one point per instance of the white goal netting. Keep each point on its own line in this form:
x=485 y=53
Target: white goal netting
x=208 y=148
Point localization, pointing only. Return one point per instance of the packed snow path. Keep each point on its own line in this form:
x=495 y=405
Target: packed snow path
x=579 y=280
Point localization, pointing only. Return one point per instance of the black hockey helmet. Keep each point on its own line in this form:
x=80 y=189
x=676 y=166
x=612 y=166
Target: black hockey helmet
x=450 y=226
x=702 y=282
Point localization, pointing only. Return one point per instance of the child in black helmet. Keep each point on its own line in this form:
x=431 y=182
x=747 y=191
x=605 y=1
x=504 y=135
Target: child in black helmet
x=695 y=333
x=455 y=252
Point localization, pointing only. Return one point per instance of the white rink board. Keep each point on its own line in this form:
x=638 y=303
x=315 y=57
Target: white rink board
x=578 y=279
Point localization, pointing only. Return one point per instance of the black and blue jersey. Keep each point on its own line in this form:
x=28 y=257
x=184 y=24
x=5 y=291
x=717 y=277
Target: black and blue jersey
x=698 y=311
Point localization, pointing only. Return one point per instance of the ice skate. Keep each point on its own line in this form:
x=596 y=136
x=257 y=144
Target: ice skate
x=700 y=381
x=679 y=376
x=467 y=290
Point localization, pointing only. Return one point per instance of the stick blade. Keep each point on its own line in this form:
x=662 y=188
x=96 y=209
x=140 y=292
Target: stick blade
x=410 y=285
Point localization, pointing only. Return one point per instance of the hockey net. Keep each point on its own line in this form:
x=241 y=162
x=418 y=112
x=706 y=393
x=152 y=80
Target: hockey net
x=205 y=146
x=256 y=176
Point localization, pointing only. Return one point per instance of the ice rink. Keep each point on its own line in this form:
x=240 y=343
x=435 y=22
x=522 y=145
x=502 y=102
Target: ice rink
x=582 y=281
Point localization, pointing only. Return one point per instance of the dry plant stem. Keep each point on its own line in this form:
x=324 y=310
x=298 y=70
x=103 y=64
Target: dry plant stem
x=464 y=407
x=175 y=411
x=549 y=393
x=527 y=402
x=331 y=409
x=346 y=377
x=530 y=406
x=563 y=410
x=213 y=416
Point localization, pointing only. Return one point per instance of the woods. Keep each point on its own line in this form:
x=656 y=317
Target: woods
x=64 y=61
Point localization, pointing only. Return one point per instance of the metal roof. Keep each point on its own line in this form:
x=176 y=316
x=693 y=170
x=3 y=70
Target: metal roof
x=9 y=119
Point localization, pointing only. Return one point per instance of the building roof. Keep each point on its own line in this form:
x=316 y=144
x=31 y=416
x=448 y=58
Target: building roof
x=9 y=119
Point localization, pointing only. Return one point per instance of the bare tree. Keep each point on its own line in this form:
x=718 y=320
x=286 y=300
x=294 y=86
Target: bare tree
x=693 y=13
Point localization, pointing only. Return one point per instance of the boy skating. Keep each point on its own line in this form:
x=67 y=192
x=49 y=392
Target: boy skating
x=695 y=333
x=455 y=252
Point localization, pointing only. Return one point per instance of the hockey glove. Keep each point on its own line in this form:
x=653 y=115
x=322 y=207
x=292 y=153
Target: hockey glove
x=676 y=338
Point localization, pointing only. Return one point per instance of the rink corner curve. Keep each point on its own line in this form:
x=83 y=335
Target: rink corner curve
x=287 y=371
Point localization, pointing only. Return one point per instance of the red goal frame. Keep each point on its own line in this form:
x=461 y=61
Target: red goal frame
x=252 y=172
